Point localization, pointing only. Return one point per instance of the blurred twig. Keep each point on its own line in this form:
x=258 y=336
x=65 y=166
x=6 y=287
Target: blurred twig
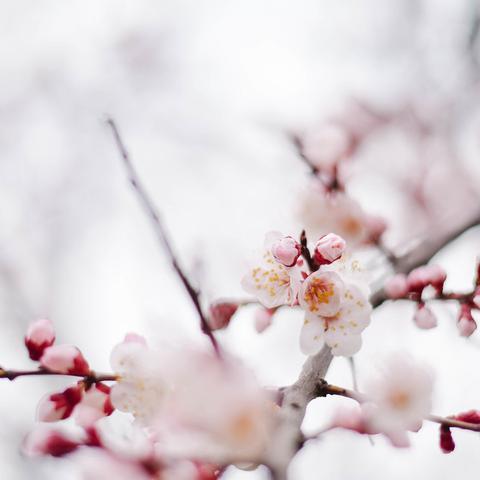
x=160 y=232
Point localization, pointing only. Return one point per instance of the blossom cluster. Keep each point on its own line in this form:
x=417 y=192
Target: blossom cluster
x=327 y=284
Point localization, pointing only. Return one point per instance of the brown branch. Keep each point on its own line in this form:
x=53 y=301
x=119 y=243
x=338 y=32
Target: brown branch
x=312 y=265
x=149 y=207
x=92 y=377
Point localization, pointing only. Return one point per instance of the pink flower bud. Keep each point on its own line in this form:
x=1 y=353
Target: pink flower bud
x=65 y=359
x=286 y=251
x=329 y=248
x=466 y=324
x=263 y=319
x=446 y=440
x=40 y=335
x=418 y=279
x=58 y=406
x=44 y=441
x=220 y=314
x=424 y=317
x=471 y=416
x=396 y=287
x=436 y=276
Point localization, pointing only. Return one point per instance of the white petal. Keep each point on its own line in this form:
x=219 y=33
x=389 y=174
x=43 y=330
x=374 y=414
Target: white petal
x=343 y=344
x=312 y=335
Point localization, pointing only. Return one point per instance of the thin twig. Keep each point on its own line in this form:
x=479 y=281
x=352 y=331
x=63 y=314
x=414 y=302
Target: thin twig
x=327 y=389
x=92 y=377
x=149 y=207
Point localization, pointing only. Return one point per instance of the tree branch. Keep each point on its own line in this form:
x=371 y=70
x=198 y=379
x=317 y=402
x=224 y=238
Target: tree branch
x=92 y=377
x=149 y=207
x=297 y=396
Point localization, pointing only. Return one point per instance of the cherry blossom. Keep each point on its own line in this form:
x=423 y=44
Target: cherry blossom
x=47 y=441
x=322 y=212
x=271 y=282
x=401 y=397
x=396 y=286
x=286 y=250
x=58 y=406
x=466 y=323
x=336 y=315
x=220 y=314
x=140 y=387
x=215 y=411
x=263 y=319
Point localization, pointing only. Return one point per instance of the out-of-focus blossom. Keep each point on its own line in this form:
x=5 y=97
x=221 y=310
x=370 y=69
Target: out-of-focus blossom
x=48 y=441
x=65 y=359
x=466 y=323
x=58 y=406
x=329 y=248
x=401 y=398
x=40 y=335
x=215 y=411
x=447 y=443
x=326 y=145
x=322 y=212
x=396 y=287
x=424 y=318
x=140 y=387
x=476 y=298
x=263 y=319
x=220 y=314
x=94 y=405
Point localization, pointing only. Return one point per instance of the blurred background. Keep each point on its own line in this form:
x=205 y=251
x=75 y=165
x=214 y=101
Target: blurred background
x=206 y=95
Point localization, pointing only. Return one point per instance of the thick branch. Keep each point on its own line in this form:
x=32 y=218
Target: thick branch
x=298 y=395
x=149 y=207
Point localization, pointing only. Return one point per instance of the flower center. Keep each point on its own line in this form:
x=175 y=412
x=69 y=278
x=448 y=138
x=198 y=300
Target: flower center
x=318 y=292
x=399 y=400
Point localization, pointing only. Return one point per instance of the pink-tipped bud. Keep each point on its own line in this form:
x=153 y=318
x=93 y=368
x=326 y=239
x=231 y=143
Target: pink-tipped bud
x=220 y=314
x=43 y=441
x=424 y=318
x=466 y=324
x=471 y=416
x=436 y=276
x=446 y=440
x=65 y=359
x=95 y=405
x=329 y=248
x=418 y=279
x=286 y=251
x=58 y=406
x=40 y=335
x=263 y=319
x=396 y=287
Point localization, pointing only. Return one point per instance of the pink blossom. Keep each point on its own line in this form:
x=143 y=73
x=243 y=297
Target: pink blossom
x=286 y=251
x=65 y=359
x=376 y=227
x=466 y=324
x=321 y=293
x=418 y=279
x=401 y=398
x=424 y=317
x=220 y=314
x=476 y=298
x=437 y=276
x=40 y=335
x=329 y=248
x=396 y=287
x=58 y=406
